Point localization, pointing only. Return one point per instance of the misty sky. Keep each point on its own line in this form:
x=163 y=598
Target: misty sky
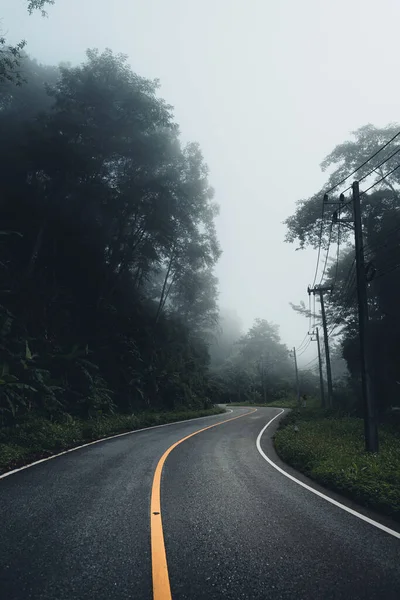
x=266 y=88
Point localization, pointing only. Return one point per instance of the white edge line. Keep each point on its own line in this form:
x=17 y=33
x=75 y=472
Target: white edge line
x=316 y=492
x=111 y=437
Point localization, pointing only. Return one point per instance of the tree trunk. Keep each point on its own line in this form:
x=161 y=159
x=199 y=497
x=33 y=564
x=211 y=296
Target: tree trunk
x=163 y=294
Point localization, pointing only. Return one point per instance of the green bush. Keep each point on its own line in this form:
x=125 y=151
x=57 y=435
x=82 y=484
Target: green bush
x=330 y=449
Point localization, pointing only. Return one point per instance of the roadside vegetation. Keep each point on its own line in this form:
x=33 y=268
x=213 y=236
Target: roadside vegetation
x=289 y=402
x=330 y=449
x=108 y=297
x=38 y=438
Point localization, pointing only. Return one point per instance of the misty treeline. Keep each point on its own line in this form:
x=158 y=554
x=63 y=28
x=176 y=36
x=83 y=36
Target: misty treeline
x=254 y=366
x=107 y=246
x=381 y=226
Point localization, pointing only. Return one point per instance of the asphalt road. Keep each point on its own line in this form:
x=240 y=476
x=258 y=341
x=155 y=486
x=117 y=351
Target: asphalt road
x=235 y=528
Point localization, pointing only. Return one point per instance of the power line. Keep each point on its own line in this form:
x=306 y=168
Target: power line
x=343 y=206
x=304 y=349
x=371 y=249
x=304 y=339
x=380 y=180
x=339 y=321
x=345 y=179
x=346 y=283
x=364 y=163
x=346 y=294
x=347 y=297
x=393 y=268
x=320 y=243
x=337 y=254
x=374 y=169
x=327 y=253
x=314 y=312
x=311 y=361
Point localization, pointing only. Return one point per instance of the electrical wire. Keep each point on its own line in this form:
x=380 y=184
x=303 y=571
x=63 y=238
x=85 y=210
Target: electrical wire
x=338 y=321
x=379 y=180
x=304 y=349
x=392 y=268
x=337 y=255
x=345 y=205
x=364 y=163
x=314 y=312
x=347 y=292
x=374 y=169
x=346 y=301
x=327 y=253
x=319 y=244
x=304 y=339
x=311 y=361
x=370 y=250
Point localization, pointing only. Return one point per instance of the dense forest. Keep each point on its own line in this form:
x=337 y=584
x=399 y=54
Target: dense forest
x=108 y=298
x=381 y=228
x=107 y=245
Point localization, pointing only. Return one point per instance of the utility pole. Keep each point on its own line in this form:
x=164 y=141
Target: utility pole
x=320 y=290
x=321 y=378
x=370 y=422
x=297 y=377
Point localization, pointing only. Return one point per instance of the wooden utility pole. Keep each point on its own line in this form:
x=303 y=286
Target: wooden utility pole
x=370 y=421
x=297 y=376
x=320 y=290
x=321 y=377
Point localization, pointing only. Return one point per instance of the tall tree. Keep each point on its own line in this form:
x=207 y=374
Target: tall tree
x=381 y=226
x=110 y=237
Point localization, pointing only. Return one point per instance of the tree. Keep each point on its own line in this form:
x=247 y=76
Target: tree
x=381 y=226
x=108 y=265
x=38 y=5
x=12 y=56
x=258 y=369
x=304 y=225
x=222 y=346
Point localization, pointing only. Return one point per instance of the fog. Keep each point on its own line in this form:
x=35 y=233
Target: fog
x=267 y=89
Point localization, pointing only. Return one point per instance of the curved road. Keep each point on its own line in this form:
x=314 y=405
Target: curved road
x=78 y=526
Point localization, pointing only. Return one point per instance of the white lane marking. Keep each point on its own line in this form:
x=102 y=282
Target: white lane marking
x=37 y=462
x=316 y=492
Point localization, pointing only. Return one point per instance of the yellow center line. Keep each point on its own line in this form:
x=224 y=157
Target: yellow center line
x=161 y=585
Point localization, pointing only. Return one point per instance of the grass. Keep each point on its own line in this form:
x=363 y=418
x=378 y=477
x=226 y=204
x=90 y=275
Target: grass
x=330 y=450
x=39 y=438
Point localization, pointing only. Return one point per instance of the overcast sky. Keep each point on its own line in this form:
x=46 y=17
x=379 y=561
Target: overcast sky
x=266 y=88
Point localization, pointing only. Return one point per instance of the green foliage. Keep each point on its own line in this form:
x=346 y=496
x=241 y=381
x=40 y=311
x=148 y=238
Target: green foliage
x=10 y=61
x=37 y=438
x=258 y=368
x=12 y=56
x=381 y=228
x=331 y=450
x=38 y=5
x=108 y=246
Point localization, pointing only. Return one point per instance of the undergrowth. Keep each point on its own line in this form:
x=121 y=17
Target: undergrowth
x=38 y=438
x=331 y=450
